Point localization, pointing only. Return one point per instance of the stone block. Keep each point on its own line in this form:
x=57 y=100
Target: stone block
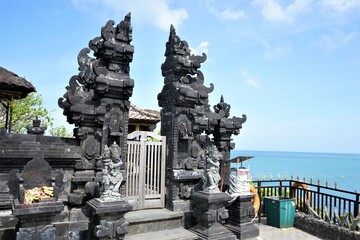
x=79 y=214
x=7 y=220
x=50 y=207
x=61 y=230
x=99 y=207
x=79 y=226
x=244 y=230
x=62 y=216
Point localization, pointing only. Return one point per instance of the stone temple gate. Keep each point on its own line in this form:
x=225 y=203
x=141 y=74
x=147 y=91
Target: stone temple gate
x=186 y=116
x=93 y=181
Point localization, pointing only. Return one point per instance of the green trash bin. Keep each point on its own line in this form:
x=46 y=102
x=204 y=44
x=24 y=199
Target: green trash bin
x=280 y=211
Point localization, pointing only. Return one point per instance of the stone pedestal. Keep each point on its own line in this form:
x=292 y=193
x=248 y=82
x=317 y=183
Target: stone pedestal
x=241 y=212
x=107 y=219
x=210 y=213
x=35 y=220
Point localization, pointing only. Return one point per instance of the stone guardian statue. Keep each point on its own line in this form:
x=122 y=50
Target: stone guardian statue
x=211 y=156
x=112 y=176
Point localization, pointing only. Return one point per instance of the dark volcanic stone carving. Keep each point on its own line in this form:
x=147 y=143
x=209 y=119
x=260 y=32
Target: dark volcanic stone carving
x=111 y=174
x=37 y=172
x=107 y=221
x=97 y=103
x=35 y=128
x=186 y=116
x=212 y=176
x=96 y=99
x=35 y=219
x=47 y=232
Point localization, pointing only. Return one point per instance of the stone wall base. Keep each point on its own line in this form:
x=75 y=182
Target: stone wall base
x=324 y=230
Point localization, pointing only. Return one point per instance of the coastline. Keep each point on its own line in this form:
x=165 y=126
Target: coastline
x=340 y=168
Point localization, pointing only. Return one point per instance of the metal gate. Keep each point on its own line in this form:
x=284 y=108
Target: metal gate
x=145 y=170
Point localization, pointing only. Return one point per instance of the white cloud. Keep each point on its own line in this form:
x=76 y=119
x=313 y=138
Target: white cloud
x=341 y=6
x=249 y=79
x=272 y=10
x=227 y=14
x=155 y=12
x=336 y=40
x=232 y=15
x=202 y=48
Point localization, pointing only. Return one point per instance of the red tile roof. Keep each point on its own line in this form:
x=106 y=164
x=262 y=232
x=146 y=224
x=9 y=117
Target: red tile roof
x=148 y=115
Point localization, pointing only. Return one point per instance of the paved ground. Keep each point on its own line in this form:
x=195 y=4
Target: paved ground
x=273 y=233
x=266 y=232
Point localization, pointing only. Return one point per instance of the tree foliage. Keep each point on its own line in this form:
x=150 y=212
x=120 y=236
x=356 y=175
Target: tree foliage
x=26 y=110
x=60 y=132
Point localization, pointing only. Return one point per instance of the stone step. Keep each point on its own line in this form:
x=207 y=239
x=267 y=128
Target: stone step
x=153 y=220
x=168 y=234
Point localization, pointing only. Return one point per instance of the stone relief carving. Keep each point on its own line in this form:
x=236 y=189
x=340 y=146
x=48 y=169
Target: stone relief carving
x=112 y=229
x=45 y=233
x=211 y=179
x=111 y=172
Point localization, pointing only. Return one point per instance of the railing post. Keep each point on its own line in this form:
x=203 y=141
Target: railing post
x=288 y=189
x=259 y=190
x=318 y=195
x=317 y=203
x=261 y=202
x=163 y=169
x=356 y=205
x=142 y=170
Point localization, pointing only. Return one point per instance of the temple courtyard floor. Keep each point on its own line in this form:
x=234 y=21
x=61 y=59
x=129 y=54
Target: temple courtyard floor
x=272 y=233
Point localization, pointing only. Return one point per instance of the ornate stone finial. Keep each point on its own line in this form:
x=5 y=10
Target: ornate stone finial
x=106 y=152
x=175 y=45
x=124 y=29
x=181 y=68
x=222 y=106
x=108 y=31
x=35 y=129
x=36 y=122
x=172 y=29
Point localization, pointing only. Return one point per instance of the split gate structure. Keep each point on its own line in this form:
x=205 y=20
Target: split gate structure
x=145 y=170
x=88 y=169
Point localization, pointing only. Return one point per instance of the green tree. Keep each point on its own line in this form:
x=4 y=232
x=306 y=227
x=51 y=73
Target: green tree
x=60 y=132
x=26 y=110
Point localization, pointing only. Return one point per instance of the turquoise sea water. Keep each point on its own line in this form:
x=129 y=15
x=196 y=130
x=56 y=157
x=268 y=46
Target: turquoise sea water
x=344 y=169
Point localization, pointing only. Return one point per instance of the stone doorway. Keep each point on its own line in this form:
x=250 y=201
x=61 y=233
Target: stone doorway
x=145 y=170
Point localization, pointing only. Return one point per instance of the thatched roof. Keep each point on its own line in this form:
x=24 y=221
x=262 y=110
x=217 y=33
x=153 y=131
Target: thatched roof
x=11 y=85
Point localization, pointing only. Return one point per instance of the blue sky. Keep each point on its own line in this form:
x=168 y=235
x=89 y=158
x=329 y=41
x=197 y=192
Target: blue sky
x=293 y=67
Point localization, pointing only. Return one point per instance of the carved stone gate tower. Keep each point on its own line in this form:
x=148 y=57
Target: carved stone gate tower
x=96 y=100
x=187 y=122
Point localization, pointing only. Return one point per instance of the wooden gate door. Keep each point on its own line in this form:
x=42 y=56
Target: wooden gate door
x=145 y=170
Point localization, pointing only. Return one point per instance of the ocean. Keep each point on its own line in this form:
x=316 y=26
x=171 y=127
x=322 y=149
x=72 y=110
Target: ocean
x=344 y=169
